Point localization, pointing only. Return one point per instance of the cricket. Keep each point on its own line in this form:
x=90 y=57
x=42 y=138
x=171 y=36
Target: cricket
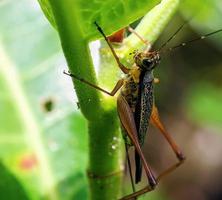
x=137 y=109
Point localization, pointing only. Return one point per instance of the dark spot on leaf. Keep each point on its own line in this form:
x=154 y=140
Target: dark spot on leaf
x=48 y=105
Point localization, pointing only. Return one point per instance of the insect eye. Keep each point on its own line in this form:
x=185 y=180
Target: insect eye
x=147 y=62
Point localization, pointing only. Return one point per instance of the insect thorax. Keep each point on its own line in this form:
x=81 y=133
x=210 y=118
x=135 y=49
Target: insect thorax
x=131 y=87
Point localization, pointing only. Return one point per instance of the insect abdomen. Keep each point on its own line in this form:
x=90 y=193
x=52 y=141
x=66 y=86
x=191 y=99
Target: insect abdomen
x=130 y=93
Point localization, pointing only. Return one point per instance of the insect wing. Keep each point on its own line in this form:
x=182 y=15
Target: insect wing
x=127 y=118
x=142 y=115
x=146 y=105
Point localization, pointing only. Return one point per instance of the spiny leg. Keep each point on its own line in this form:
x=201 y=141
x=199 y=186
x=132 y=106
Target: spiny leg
x=121 y=66
x=127 y=121
x=112 y=93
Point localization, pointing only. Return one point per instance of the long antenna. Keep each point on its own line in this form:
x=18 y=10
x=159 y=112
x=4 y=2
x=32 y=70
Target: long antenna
x=194 y=40
x=173 y=36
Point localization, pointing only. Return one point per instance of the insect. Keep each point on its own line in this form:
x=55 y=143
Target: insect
x=136 y=107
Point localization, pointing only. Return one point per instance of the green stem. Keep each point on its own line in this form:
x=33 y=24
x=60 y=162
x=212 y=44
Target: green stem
x=77 y=55
x=105 y=160
x=152 y=25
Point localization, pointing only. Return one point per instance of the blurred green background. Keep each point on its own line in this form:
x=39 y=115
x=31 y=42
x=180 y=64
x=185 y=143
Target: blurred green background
x=43 y=141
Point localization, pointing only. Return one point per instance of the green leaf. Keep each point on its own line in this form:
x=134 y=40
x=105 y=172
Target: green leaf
x=110 y=14
x=42 y=149
x=47 y=10
x=9 y=186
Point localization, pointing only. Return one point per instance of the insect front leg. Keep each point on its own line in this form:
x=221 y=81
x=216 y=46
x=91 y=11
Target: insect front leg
x=148 y=44
x=121 y=66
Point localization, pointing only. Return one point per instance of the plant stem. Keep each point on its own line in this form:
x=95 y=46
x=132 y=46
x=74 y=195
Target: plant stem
x=105 y=159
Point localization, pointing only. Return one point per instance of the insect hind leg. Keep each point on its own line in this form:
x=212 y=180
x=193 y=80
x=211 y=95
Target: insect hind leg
x=150 y=189
x=169 y=170
x=155 y=120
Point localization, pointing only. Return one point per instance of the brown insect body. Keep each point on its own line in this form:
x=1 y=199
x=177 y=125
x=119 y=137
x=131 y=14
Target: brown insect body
x=138 y=92
x=136 y=108
x=130 y=91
